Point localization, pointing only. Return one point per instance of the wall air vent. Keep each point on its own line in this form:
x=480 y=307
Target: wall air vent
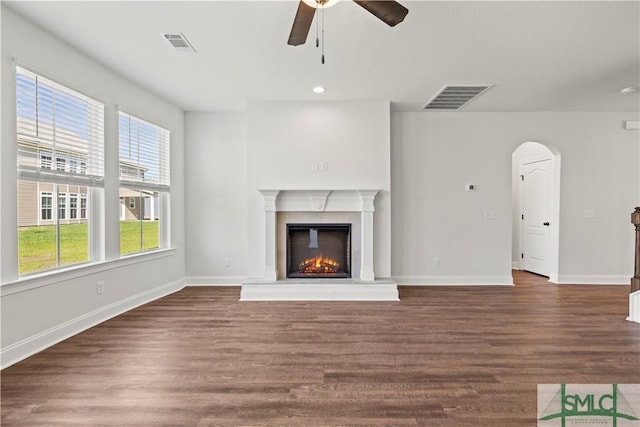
x=454 y=97
x=179 y=42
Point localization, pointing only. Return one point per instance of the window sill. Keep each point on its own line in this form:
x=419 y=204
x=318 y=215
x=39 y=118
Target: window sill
x=38 y=280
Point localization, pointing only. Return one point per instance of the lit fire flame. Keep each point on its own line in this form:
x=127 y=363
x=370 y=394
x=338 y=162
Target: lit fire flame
x=319 y=264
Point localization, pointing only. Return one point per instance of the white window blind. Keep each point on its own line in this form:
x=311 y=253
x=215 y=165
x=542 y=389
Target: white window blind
x=144 y=154
x=58 y=129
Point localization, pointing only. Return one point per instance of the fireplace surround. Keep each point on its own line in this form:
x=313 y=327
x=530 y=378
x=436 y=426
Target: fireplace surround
x=284 y=218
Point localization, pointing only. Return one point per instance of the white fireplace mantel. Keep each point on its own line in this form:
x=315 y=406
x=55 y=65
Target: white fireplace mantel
x=329 y=204
x=319 y=201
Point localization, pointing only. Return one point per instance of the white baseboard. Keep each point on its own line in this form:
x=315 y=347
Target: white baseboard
x=215 y=280
x=515 y=265
x=593 y=279
x=634 y=307
x=36 y=343
x=453 y=280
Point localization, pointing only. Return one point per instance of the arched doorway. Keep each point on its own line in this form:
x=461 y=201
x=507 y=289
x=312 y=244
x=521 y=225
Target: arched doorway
x=536 y=209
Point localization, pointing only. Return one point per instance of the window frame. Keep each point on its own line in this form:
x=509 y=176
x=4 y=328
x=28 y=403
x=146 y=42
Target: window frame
x=73 y=206
x=145 y=177
x=61 y=163
x=62 y=196
x=60 y=137
x=49 y=207
x=92 y=198
x=83 y=206
x=46 y=159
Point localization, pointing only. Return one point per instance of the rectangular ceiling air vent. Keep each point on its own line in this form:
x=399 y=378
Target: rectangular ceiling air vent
x=454 y=97
x=179 y=42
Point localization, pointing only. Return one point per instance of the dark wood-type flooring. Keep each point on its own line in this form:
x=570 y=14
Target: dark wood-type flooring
x=443 y=356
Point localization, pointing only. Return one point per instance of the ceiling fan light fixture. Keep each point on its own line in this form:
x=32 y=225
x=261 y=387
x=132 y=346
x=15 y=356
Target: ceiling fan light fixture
x=320 y=3
x=318 y=89
x=388 y=11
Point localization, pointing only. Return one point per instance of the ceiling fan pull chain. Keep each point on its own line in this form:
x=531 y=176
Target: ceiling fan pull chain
x=317 y=31
x=322 y=13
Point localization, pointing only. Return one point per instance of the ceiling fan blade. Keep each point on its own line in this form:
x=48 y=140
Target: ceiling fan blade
x=301 y=24
x=390 y=12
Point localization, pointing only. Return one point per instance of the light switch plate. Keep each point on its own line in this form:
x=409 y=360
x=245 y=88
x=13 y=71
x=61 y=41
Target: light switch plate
x=489 y=214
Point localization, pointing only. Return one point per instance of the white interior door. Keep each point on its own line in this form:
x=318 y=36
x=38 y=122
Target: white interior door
x=536 y=203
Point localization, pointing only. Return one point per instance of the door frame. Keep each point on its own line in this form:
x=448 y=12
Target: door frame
x=554 y=233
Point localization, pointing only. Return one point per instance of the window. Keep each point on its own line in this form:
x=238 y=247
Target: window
x=73 y=206
x=46 y=206
x=61 y=163
x=83 y=206
x=55 y=124
x=45 y=160
x=62 y=205
x=144 y=183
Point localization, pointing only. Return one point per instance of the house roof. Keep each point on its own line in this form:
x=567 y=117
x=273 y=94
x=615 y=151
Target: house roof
x=126 y=192
x=540 y=55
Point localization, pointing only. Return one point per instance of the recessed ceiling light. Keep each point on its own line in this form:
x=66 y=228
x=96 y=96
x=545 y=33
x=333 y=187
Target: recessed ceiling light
x=318 y=89
x=629 y=90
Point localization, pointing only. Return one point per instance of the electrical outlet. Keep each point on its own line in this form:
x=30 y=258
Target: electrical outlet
x=227 y=262
x=436 y=262
x=314 y=165
x=100 y=288
x=324 y=166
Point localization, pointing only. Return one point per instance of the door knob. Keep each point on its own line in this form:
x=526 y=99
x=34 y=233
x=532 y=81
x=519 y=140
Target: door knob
x=545 y=223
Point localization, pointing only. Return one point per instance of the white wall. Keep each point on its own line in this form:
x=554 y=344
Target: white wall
x=283 y=140
x=229 y=156
x=435 y=154
x=39 y=311
x=216 y=197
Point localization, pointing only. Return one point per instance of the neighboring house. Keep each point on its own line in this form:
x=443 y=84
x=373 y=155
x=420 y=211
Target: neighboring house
x=37 y=202
x=136 y=205
x=41 y=157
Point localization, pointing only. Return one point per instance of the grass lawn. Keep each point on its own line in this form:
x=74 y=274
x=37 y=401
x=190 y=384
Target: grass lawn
x=130 y=236
x=37 y=245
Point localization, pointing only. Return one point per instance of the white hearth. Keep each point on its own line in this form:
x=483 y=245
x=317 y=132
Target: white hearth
x=319 y=206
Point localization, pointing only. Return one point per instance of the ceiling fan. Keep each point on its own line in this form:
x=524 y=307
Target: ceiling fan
x=390 y=12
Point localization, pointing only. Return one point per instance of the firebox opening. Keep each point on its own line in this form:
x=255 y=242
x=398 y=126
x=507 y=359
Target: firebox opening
x=318 y=250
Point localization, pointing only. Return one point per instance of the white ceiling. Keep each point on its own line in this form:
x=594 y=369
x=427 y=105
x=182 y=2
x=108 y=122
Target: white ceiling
x=541 y=55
